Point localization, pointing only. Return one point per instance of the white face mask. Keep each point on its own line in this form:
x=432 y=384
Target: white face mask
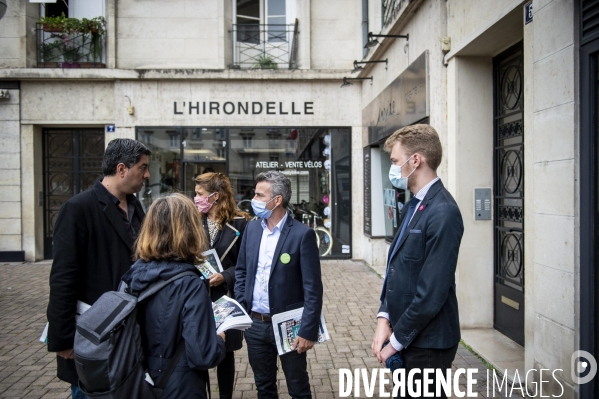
x=395 y=176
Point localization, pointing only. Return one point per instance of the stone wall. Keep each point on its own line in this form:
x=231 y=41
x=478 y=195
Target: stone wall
x=17 y=34
x=552 y=167
x=10 y=172
x=178 y=34
x=426 y=26
x=336 y=34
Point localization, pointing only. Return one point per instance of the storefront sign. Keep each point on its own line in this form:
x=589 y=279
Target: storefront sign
x=243 y=107
x=289 y=165
x=402 y=103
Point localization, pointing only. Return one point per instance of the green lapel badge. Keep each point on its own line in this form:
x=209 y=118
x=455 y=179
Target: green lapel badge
x=285 y=258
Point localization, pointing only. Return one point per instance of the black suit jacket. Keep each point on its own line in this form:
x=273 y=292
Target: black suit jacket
x=420 y=293
x=91 y=251
x=291 y=285
x=227 y=244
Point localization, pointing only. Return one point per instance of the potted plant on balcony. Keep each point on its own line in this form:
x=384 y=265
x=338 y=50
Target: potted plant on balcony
x=96 y=27
x=71 y=52
x=265 y=62
x=53 y=24
x=77 y=40
x=50 y=52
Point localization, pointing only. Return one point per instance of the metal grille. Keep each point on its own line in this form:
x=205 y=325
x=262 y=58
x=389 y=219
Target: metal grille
x=70 y=50
x=390 y=10
x=509 y=170
x=271 y=46
x=72 y=164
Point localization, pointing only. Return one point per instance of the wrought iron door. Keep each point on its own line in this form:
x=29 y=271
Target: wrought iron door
x=508 y=69
x=72 y=164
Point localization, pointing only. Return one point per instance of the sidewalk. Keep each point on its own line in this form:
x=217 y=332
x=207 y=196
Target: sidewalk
x=351 y=290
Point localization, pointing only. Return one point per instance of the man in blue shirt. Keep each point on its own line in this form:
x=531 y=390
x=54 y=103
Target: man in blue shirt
x=278 y=269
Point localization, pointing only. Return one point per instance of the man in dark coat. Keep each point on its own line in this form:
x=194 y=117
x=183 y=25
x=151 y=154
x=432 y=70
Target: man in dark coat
x=419 y=308
x=93 y=238
x=278 y=269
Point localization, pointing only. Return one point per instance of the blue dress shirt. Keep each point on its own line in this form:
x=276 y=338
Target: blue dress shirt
x=268 y=244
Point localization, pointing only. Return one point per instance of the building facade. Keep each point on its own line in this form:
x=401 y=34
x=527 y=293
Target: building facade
x=242 y=86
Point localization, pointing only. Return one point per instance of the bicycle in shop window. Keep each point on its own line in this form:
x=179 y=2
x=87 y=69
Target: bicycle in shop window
x=311 y=218
x=246 y=206
x=302 y=213
x=152 y=191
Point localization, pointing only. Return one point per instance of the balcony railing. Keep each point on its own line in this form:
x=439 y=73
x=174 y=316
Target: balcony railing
x=269 y=46
x=58 y=49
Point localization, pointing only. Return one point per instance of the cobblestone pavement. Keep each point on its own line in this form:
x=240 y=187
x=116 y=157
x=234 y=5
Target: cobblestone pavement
x=351 y=291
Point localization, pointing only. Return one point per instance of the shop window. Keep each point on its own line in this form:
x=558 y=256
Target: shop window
x=174 y=140
x=146 y=137
x=317 y=161
x=202 y=145
x=164 y=163
x=393 y=200
x=274 y=138
x=247 y=141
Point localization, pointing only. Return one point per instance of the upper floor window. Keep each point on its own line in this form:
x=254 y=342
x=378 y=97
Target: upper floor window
x=71 y=34
x=264 y=33
x=252 y=14
x=75 y=8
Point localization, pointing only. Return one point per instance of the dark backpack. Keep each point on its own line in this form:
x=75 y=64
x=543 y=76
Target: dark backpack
x=108 y=352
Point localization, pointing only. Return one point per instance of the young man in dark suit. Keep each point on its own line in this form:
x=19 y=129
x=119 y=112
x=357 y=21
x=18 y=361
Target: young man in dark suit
x=93 y=237
x=278 y=269
x=419 y=308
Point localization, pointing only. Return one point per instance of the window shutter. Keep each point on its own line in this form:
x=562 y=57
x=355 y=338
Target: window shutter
x=589 y=20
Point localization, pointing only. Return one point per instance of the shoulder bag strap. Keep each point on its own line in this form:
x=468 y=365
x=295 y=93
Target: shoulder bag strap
x=232 y=242
x=154 y=288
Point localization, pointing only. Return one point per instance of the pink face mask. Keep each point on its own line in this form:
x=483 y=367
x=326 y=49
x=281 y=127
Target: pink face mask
x=202 y=203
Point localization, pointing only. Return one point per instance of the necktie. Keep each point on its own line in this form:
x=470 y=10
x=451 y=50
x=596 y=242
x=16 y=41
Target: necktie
x=413 y=202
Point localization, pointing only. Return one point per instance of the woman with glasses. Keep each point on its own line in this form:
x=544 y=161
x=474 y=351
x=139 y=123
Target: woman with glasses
x=224 y=224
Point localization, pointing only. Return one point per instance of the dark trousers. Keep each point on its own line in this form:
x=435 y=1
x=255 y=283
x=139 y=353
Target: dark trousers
x=421 y=358
x=262 y=353
x=225 y=374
